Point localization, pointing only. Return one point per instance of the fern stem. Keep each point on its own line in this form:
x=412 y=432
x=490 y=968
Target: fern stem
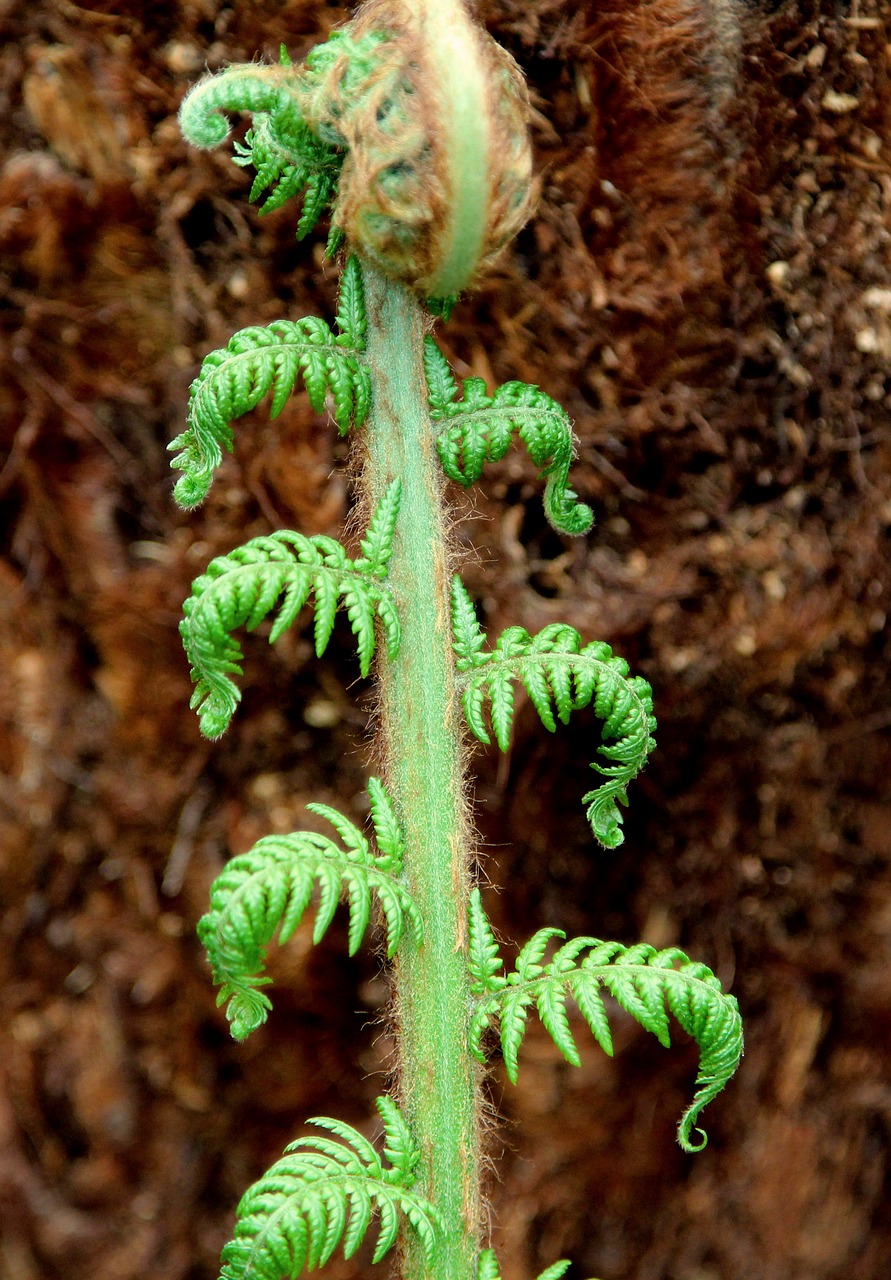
x=421 y=735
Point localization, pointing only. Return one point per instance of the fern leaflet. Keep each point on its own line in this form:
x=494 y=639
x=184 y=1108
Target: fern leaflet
x=478 y=429
x=483 y=955
x=243 y=587
x=647 y=983
x=269 y=888
x=560 y=675
x=292 y=144
x=270 y=358
x=322 y=1193
x=488 y=1269
x=305 y=164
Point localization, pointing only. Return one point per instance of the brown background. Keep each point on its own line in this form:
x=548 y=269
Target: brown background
x=707 y=288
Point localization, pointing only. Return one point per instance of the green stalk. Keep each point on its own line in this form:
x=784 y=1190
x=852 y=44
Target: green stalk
x=421 y=733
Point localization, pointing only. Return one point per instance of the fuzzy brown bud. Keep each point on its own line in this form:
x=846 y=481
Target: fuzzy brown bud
x=434 y=119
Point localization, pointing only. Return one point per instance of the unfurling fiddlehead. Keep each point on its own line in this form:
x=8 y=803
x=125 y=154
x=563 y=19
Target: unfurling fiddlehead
x=258 y=360
x=437 y=174
x=293 y=161
x=561 y=675
x=285 y=151
x=479 y=428
x=240 y=589
x=268 y=890
x=644 y=981
x=425 y=113
x=322 y=1193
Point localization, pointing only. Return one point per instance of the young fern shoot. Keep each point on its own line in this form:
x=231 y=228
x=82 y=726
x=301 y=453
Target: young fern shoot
x=411 y=124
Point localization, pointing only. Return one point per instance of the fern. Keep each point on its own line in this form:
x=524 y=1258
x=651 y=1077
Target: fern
x=243 y=587
x=561 y=675
x=353 y=129
x=269 y=889
x=293 y=144
x=270 y=358
x=644 y=981
x=322 y=1194
x=488 y=1269
x=478 y=429
x=312 y=170
x=288 y=154
x=266 y=91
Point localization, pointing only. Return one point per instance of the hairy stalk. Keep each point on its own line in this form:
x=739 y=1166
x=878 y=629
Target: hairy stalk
x=421 y=732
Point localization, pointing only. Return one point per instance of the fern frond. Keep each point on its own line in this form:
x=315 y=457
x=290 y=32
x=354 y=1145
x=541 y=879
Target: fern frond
x=647 y=983
x=292 y=145
x=242 y=588
x=387 y=828
x=561 y=675
x=287 y=154
x=487 y=1266
x=555 y=1270
x=377 y=545
x=488 y=1269
x=351 y=317
x=269 y=91
x=479 y=428
x=269 y=359
x=304 y=164
x=323 y=1193
x=267 y=890
x=483 y=958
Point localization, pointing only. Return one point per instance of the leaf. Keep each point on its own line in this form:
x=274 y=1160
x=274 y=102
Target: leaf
x=442 y=389
x=279 y=571
x=479 y=428
x=304 y=166
x=552 y=1011
x=323 y=1193
x=377 y=545
x=469 y=637
x=288 y=155
x=483 y=958
x=647 y=983
x=514 y=1012
x=561 y=675
x=527 y=965
x=590 y=1002
x=399 y=1147
x=263 y=360
x=387 y=828
x=267 y=890
x=555 y=1270
x=487 y=1268
x=352 y=321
